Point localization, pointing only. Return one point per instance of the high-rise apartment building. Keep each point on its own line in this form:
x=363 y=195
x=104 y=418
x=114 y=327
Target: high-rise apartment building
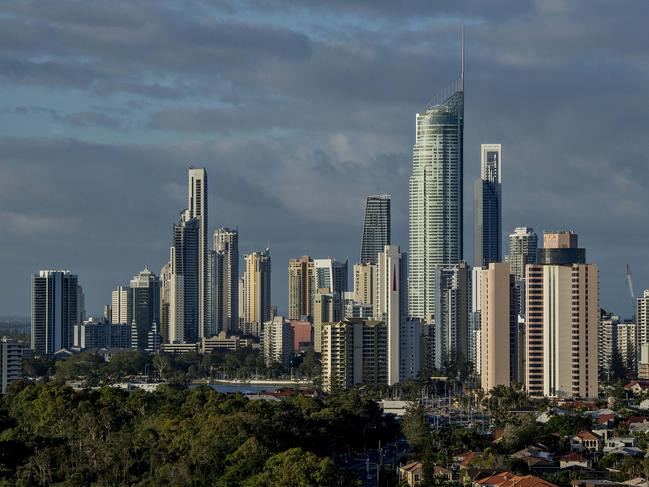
x=488 y=207
x=122 y=305
x=330 y=273
x=277 y=342
x=475 y=341
x=354 y=351
x=642 y=316
x=562 y=302
x=225 y=241
x=215 y=298
x=523 y=245
x=327 y=308
x=184 y=286
x=606 y=341
x=300 y=288
x=365 y=283
x=257 y=307
x=93 y=335
x=197 y=208
x=145 y=292
x=54 y=310
x=452 y=313
x=165 y=299
x=11 y=357
x=376 y=228
x=435 y=197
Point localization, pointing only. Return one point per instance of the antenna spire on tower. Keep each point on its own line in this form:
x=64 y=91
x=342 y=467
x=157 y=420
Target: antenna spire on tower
x=462 y=61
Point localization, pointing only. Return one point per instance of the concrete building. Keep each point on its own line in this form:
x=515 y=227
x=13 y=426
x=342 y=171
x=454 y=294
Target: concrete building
x=365 y=283
x=436 y=197
x=197 y=209
x=354 y=351
x=488 y=207
x=642 y=316
x=223 y=341
x=165 y=300
x=452 y=313
x=606 y=341
x=327 y=308
x=145 y=292
x=225 y=241
x=495 y=326
x=11 y=357
x=257 y=293
x=330 y=273
x=300 y=288
x=354 y=309
x=562 y=303
x=122 y=305
x=475 y=342
x=627 y=345
x=216 y=317
x=277 y=342
x=376 y=228
x=54 y=310
x=92 y=335
x=523 y=246
x=643 y=362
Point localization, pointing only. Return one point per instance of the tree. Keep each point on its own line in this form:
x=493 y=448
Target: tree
x=415 y=427
x=161 y=363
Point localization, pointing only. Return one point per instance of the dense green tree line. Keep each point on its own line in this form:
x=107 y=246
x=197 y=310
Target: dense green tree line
x=52 y=435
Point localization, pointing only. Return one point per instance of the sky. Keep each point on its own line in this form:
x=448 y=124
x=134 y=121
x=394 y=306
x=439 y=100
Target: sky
x=299 y=110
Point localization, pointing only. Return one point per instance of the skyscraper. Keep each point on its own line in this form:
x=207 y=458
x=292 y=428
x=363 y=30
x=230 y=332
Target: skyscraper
x=277 y=342
x=562 y=302
x=331 y=274
x=376 y=228
x=145 y=290
x=327 y=308
x=165 y=299
x=452 y=313
x=435 y=196
x=365 y=283
x=300 y=288
x=184 y=286
x=257 y=290
x=642 y=316
x=54 y=310
x=523 y=244
x=226 y=241
x=122 y=306
x=215 y=298
x=197 y=207
x=488 y=207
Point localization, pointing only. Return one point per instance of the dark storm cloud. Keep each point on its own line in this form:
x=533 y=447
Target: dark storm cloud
x=299 y=111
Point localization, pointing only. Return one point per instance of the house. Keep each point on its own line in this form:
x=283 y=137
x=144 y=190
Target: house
x=637 y=387
x=411 y=473
x=586 y=441
x=617 y=443
x=537 y=460
x=507 y=479
x=573 y=460
x=464 y=460
x=442 y=473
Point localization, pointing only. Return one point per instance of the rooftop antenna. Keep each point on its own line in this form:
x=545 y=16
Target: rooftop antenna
x=462 y=68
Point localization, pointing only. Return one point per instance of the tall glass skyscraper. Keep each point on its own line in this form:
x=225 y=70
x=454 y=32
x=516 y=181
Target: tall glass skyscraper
x=376 y=228
x=488 y=207
x=435 y=199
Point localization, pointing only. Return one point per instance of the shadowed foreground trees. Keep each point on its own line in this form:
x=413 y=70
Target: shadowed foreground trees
x=50 y=435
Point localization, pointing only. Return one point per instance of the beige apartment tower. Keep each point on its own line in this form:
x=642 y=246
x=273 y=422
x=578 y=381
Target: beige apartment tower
x=562 y=304
x=495 y=325
x=327 y=308
x=256 y=291
x=300 y=288
x=365 y=283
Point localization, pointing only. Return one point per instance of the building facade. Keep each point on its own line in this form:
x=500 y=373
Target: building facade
x=145 y=290
x=327 y=308
x=488 y=207
x=376 y=228
x=452 y=313
x=11 y=357
x=122 y=305
x=225 y=242
x=330 y=273
x=54 y=310
x=277 y=342
x=300 y=288
x=197 y=209
x=562 y=302
x=256 y=284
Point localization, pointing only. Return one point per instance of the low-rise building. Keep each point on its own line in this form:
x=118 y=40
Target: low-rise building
x=223 y=341
x=11 y=356
x=508 y=479
x=574 y=460
x=411 y=474
x=179 y=347
x=586 y=441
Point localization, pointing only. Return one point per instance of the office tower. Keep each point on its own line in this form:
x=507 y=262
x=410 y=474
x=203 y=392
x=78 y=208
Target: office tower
x=165 y=300
x=376 y=228
x=562 y=320
x=642 y=316
x=81 y=305
x=475 y=342
x=488 y=207
x=354 y=351
x=300 y=288
x=122 y=305
x=302 y=335
x=365 y=283
x=452 y=314
x=523 y=245
x=391 y=308
x=435 y=197
x=91 y=335
x=277 y=342
x=184 y=285
x=257 y=290
x=330 y=273
x=226 y=242
x=145 y=292
x=54 y=310
x=500 y=347
x=327 y=308
x=197 y=208
x=11 y=358
x=216 y=318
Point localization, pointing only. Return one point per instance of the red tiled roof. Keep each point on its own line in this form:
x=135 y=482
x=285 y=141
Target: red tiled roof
x=507 y=479
x=588 y=435
x=573 y=457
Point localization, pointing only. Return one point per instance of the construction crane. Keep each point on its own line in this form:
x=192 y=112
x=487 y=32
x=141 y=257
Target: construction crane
x=629 y=283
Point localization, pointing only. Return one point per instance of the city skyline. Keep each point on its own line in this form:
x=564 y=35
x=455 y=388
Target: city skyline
x=105 y=236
